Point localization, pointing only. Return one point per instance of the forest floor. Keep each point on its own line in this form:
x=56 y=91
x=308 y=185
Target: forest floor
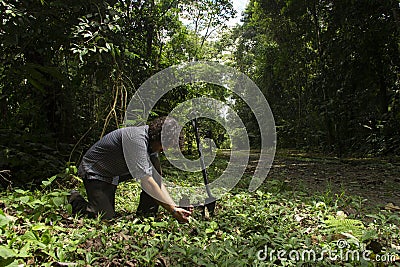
x=375 y=181
x=308 y=202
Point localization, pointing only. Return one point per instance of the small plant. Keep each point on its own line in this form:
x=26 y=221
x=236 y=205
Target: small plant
x=36 y=228
x=343 y=225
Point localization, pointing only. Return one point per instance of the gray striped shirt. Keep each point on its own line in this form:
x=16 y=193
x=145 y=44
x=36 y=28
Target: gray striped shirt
x=106 y=160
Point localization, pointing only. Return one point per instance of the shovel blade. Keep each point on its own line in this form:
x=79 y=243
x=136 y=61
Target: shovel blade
x=210 y=204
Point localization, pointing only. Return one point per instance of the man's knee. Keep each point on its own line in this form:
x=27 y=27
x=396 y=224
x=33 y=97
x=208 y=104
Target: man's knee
x=101 y=197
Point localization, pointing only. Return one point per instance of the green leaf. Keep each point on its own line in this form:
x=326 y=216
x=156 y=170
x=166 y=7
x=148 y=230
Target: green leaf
x=46 y=238
x=160 y=224
x=49 y=181
x=6 y=252
x=9 y=263
x=68 y=207
x=24 y=251
x=24 y=199
x=22 y=192
x=209 y=230
x=58 y=201
x=29 y=236
x=4 y=220
x=39 y=227
x=213 y=225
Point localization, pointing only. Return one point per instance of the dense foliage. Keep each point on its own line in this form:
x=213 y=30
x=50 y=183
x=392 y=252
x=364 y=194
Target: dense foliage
x=248 y=229
x=329 y=69
x=68 y=70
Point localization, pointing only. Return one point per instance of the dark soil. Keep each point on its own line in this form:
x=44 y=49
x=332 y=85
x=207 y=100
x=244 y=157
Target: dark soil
x=375 y=181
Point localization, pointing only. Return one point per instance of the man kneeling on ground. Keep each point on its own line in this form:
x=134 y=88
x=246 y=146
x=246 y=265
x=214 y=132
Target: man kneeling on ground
x=104 y=166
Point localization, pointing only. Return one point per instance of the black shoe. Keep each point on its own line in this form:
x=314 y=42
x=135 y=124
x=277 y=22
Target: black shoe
x=73 y=195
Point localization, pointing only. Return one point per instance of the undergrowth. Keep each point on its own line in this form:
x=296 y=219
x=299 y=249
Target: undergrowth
x=274 y=226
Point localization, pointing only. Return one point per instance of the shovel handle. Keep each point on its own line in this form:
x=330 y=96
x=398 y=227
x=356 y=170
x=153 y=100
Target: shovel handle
x=200 y=151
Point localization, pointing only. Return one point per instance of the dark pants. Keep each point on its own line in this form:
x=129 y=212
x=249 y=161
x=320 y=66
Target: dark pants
x=101 y=201
x=101 y=198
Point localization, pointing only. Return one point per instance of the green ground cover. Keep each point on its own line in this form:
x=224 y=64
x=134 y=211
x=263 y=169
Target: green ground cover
x=278 y=225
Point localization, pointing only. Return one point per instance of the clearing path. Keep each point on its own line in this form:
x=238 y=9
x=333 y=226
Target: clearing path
x=375 y=181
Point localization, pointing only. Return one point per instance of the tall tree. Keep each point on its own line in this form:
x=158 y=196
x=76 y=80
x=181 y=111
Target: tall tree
x=328 y=68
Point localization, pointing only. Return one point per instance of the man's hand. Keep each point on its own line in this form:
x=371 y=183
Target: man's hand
x=181 y=215
x=163 y=198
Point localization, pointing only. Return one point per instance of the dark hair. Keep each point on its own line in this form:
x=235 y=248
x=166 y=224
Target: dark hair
x=171 y=128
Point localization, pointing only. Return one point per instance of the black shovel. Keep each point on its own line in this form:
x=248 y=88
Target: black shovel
x=209 y=202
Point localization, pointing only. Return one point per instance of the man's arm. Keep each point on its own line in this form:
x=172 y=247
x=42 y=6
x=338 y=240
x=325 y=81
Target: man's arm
x=155 y=160
x=157 y=172
x=161 y=195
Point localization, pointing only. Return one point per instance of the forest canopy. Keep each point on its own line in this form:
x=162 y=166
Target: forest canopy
x=329 y=70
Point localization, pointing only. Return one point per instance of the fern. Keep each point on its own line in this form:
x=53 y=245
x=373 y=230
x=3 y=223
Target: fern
x=343 y=225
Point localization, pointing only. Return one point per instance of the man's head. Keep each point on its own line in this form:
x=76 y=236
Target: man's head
x=171 y=130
